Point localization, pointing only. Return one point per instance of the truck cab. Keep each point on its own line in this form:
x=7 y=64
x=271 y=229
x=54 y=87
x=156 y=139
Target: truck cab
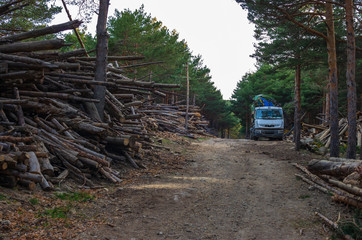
x=267 y=121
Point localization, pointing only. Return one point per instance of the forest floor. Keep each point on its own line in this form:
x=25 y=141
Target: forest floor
x=201 y=189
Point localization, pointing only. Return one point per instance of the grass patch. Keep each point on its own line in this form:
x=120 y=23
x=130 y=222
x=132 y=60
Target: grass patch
x=34 y=201
x=298 y=178
x=57 y=212
x=75 y=196
x=203 y=138
x=166 y=141
x=2 y=197
x=304 y=196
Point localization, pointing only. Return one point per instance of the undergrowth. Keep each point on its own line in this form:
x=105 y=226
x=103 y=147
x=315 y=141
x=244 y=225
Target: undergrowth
x=352 y=227
x=75 y=196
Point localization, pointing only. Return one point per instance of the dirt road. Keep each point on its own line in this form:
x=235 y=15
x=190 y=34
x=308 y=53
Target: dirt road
x=230 y=189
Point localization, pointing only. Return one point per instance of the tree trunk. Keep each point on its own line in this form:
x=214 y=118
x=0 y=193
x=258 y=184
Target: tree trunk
x=351 y=81
x=328 y=102
x=333 y=80
x=247 y=125
x=102 y=52
x=297 y=107
x=333 y=168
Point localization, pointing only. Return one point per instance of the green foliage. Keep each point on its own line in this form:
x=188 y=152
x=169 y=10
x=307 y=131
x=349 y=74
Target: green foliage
x=26 y=15
x=2 y=197
x=352 y=227
x=75 y=196
x=342 y=149
x=138 y=33
x=34 y=201
x=57 y=212
x=268 y=80
x=305 y=196
x=89 y=41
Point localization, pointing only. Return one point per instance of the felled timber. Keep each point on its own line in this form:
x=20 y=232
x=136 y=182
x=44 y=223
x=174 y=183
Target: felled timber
x=32 y=46
x=48 y=132
x=43 y=31
x=333 y=168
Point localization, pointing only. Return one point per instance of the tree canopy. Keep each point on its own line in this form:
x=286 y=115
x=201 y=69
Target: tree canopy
x=23 y=15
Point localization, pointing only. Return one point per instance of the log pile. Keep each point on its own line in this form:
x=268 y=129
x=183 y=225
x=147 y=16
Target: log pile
x=316 y=136
x=49 y=126
x=172 y=119
x=337 y=176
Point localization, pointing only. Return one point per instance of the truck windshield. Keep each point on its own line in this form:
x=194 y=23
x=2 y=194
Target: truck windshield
x=269 y=114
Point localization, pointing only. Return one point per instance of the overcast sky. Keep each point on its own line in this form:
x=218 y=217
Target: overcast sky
x=218 y=30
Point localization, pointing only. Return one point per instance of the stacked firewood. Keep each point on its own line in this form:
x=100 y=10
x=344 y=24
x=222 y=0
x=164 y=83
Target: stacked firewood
x=321 y=133
x=49 y=129
x=172 y=119
x=337 y=176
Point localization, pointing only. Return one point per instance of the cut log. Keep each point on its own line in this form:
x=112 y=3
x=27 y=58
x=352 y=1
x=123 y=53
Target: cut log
x=108 y=175
x=113 y=58
x=335 y=159
x=114 y=99
x=8 y=181
x=62 y=128
x=354 y=178
x=16 y=139
x=43 y=31
x=130 y=160
x=89 y=162
x=32 y=46
x=78 y=52
x=114 y=110
x=34 y=166
x=347 y=200
x=333 y=168
x=46 y=167
x=45 y=185
x=28 y=60
x=28 y=148
x=347 y=187
x=135 y=103
x=27 y=176
x=27 y=184
x=64 y=96
x=124 y=96
x=117 y=141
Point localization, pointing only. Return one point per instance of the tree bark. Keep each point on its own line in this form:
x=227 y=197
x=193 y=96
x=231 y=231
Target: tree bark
x=32 y=46
x=297 y=106
x=43 y=31
x=333 y=80
x=351 y=81
x=101 y=52
x=333 y=168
